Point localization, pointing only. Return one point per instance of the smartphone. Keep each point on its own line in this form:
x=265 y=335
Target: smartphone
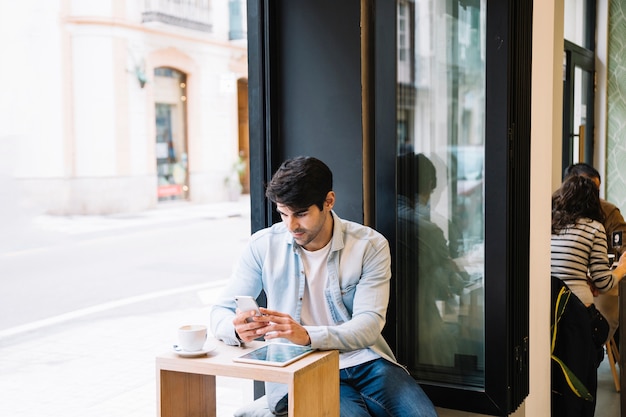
x=247 y=303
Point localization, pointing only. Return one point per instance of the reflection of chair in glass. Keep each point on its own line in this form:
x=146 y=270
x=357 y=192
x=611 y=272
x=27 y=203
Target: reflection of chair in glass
x=427 y=274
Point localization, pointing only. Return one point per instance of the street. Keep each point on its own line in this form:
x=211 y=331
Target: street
x=87 y=303
x=80 y=263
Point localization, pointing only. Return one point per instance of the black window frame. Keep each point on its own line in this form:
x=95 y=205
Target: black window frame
x=507 y=183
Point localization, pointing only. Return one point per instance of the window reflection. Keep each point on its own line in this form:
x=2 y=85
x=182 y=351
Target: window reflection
x=440 y=195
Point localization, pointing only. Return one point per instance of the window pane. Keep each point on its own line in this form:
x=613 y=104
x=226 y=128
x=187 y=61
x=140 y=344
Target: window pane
x=440 y=229
x=171 y=142
x=575 y=22
x=581 y=82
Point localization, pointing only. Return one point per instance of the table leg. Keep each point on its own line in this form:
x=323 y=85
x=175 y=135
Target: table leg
x=315 y=392
x=185 y=395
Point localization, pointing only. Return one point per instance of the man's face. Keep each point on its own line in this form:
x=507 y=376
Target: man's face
x=311 y=227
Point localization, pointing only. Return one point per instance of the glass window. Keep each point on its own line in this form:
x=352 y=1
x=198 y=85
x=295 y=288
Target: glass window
x=575 y=22
x=171 y=138
x=578 y=106
x=440 y=192
x=581 y=83
x=236 y=19
x=402 y=31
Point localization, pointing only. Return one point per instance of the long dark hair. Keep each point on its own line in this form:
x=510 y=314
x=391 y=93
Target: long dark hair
x=577 y=197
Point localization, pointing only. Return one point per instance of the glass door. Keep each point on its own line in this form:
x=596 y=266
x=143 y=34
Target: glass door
x=578 y=108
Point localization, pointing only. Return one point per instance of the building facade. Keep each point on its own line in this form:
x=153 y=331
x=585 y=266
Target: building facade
x=114 y=106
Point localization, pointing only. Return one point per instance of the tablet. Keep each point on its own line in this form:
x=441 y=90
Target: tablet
x=275 y=354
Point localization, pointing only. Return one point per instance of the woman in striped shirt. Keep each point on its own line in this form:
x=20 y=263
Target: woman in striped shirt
x=579 y=258
x=578 y=245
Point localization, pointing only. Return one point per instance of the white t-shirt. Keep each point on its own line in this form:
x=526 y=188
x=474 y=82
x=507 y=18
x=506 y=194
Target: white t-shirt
x=314 y=308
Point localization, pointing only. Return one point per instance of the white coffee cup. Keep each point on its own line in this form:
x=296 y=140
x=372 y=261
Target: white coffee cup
x=191 y=337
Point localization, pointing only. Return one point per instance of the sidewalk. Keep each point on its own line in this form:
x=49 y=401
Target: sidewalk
x=164 y=213
x=27 y=230
x=102 y=363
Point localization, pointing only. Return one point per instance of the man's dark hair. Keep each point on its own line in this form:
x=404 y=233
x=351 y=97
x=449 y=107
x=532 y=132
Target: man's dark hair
x=300 y=183
x=581 y=168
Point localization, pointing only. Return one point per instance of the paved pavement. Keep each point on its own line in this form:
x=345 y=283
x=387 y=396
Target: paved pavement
x=100 y=362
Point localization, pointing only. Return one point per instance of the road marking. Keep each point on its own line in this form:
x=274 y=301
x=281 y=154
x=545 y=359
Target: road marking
x=202 y=288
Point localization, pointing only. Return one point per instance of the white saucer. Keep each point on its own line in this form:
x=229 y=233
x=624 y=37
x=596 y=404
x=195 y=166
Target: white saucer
x=177 y=350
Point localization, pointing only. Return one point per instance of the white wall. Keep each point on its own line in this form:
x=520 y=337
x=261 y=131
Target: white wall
x=82 y=129
x=94 y=103
x=91 y=7
x=547 y=103
x=30 y=103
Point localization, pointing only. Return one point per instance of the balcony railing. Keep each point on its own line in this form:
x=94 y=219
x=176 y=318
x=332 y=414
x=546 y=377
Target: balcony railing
x=190 y=14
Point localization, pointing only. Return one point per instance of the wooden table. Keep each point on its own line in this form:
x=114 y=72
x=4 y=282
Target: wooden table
x=186 y=386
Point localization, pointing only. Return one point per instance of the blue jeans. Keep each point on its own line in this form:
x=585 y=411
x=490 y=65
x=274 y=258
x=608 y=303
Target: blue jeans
x=379 y=388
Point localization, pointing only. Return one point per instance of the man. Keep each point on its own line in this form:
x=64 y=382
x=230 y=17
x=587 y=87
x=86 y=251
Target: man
x=327 y=286
x=615 y=228
x=425 y=267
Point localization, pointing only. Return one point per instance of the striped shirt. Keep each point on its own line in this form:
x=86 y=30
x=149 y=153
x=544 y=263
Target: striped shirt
x=579 y=252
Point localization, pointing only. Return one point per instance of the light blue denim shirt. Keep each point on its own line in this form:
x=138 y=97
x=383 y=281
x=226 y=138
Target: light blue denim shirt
x=357 y=288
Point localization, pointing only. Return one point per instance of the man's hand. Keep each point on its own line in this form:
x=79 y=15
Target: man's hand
x=281 y=325
x=248 y=330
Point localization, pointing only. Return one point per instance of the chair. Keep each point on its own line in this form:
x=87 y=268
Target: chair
x=613 y=354
x=258 y=408
x=574 y=347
